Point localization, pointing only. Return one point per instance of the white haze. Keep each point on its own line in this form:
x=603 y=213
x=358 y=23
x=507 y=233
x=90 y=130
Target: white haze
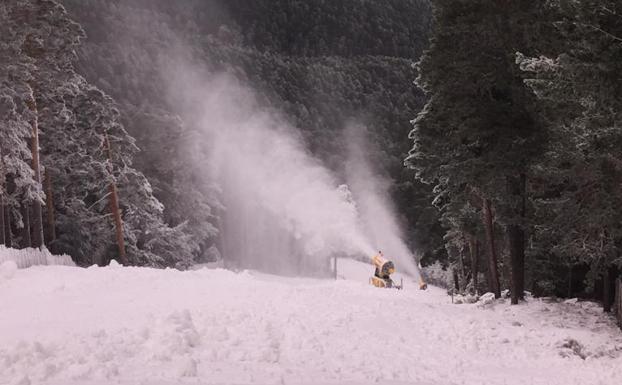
x=283 y=210
x=370 y=190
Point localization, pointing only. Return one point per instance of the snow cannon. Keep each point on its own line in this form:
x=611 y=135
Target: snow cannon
x=382 y=274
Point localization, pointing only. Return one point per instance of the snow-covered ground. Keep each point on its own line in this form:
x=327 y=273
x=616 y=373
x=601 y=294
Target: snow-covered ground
x=114 y=325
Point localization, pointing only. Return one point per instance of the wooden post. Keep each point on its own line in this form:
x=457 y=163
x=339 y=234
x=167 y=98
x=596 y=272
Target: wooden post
x=114 y=208
x=335 y=266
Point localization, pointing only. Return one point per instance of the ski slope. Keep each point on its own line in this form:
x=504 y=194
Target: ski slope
x=114 y=325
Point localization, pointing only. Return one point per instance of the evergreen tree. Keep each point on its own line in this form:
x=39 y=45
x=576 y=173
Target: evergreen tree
x=578 y=81
x=479 y=134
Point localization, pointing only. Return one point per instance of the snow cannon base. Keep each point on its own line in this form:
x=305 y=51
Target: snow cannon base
x=386 y=283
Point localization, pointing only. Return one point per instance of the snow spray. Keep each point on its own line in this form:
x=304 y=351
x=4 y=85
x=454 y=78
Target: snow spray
x=281 y=210
x=377 y=215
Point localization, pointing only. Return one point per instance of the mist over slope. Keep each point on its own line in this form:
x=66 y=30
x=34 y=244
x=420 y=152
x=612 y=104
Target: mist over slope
x=347 y=70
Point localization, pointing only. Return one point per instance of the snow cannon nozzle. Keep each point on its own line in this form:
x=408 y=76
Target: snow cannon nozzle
x=382 y=274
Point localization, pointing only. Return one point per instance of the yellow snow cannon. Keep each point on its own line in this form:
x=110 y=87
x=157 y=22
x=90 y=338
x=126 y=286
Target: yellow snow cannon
x=382 y=275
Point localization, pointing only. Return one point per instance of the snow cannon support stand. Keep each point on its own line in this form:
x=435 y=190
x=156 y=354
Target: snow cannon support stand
x=382 y=275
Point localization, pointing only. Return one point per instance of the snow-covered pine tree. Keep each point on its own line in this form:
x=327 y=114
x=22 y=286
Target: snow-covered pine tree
x=19 y=186
x=579 y=83
x=478 y=134
x=38 y=50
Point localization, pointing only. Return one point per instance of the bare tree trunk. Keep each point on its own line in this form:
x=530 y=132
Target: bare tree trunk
x=2 y=193
x=463 y=275
x=26 y=240
x=570 y=281
x=474 y=251
x=2 y=231
x=49 y=206
x=609 y=288
x=37 y=234
x=118 y=222
x=8 y=241
x=516 y=240
x=492 y=252
x=114 y=209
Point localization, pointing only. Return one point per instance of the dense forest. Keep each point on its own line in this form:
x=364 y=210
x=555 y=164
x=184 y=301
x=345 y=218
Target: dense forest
x=356 y=64
x=525 y=96
x=513 y=180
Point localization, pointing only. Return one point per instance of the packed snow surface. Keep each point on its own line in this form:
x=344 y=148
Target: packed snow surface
x=66 y=325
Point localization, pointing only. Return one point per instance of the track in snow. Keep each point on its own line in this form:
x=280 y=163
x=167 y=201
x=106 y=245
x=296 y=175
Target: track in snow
x=64 y=325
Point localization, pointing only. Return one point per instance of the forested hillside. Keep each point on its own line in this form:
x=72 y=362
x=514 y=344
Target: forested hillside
x=323 y=64
x=526 y=98
x=66 y=157
x=513 y=180
x=88 y=87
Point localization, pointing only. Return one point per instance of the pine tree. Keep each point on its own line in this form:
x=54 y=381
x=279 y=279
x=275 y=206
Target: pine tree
x=479 y=133
x=18 y=184
x=579 y=83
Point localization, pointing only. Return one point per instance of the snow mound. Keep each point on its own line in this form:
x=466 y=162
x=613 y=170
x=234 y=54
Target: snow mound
x=487 y=298
x=7 y=270
x=113 y=264
x=25 y=258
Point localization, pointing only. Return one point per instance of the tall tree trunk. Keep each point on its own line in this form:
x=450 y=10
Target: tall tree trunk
x=474 y=251
x=463 y=275
x=609 y=288
x=8 y=239
x=570 y=281
x=114 y=209
x=2 y=225
x=26 y=241
x=456 y=281
x=49 y=207
x=492 y=252
x=37 y=225
x=2 y=193
x=516 y=238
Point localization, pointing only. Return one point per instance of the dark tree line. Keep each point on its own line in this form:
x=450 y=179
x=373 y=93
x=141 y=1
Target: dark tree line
x=520 y=139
